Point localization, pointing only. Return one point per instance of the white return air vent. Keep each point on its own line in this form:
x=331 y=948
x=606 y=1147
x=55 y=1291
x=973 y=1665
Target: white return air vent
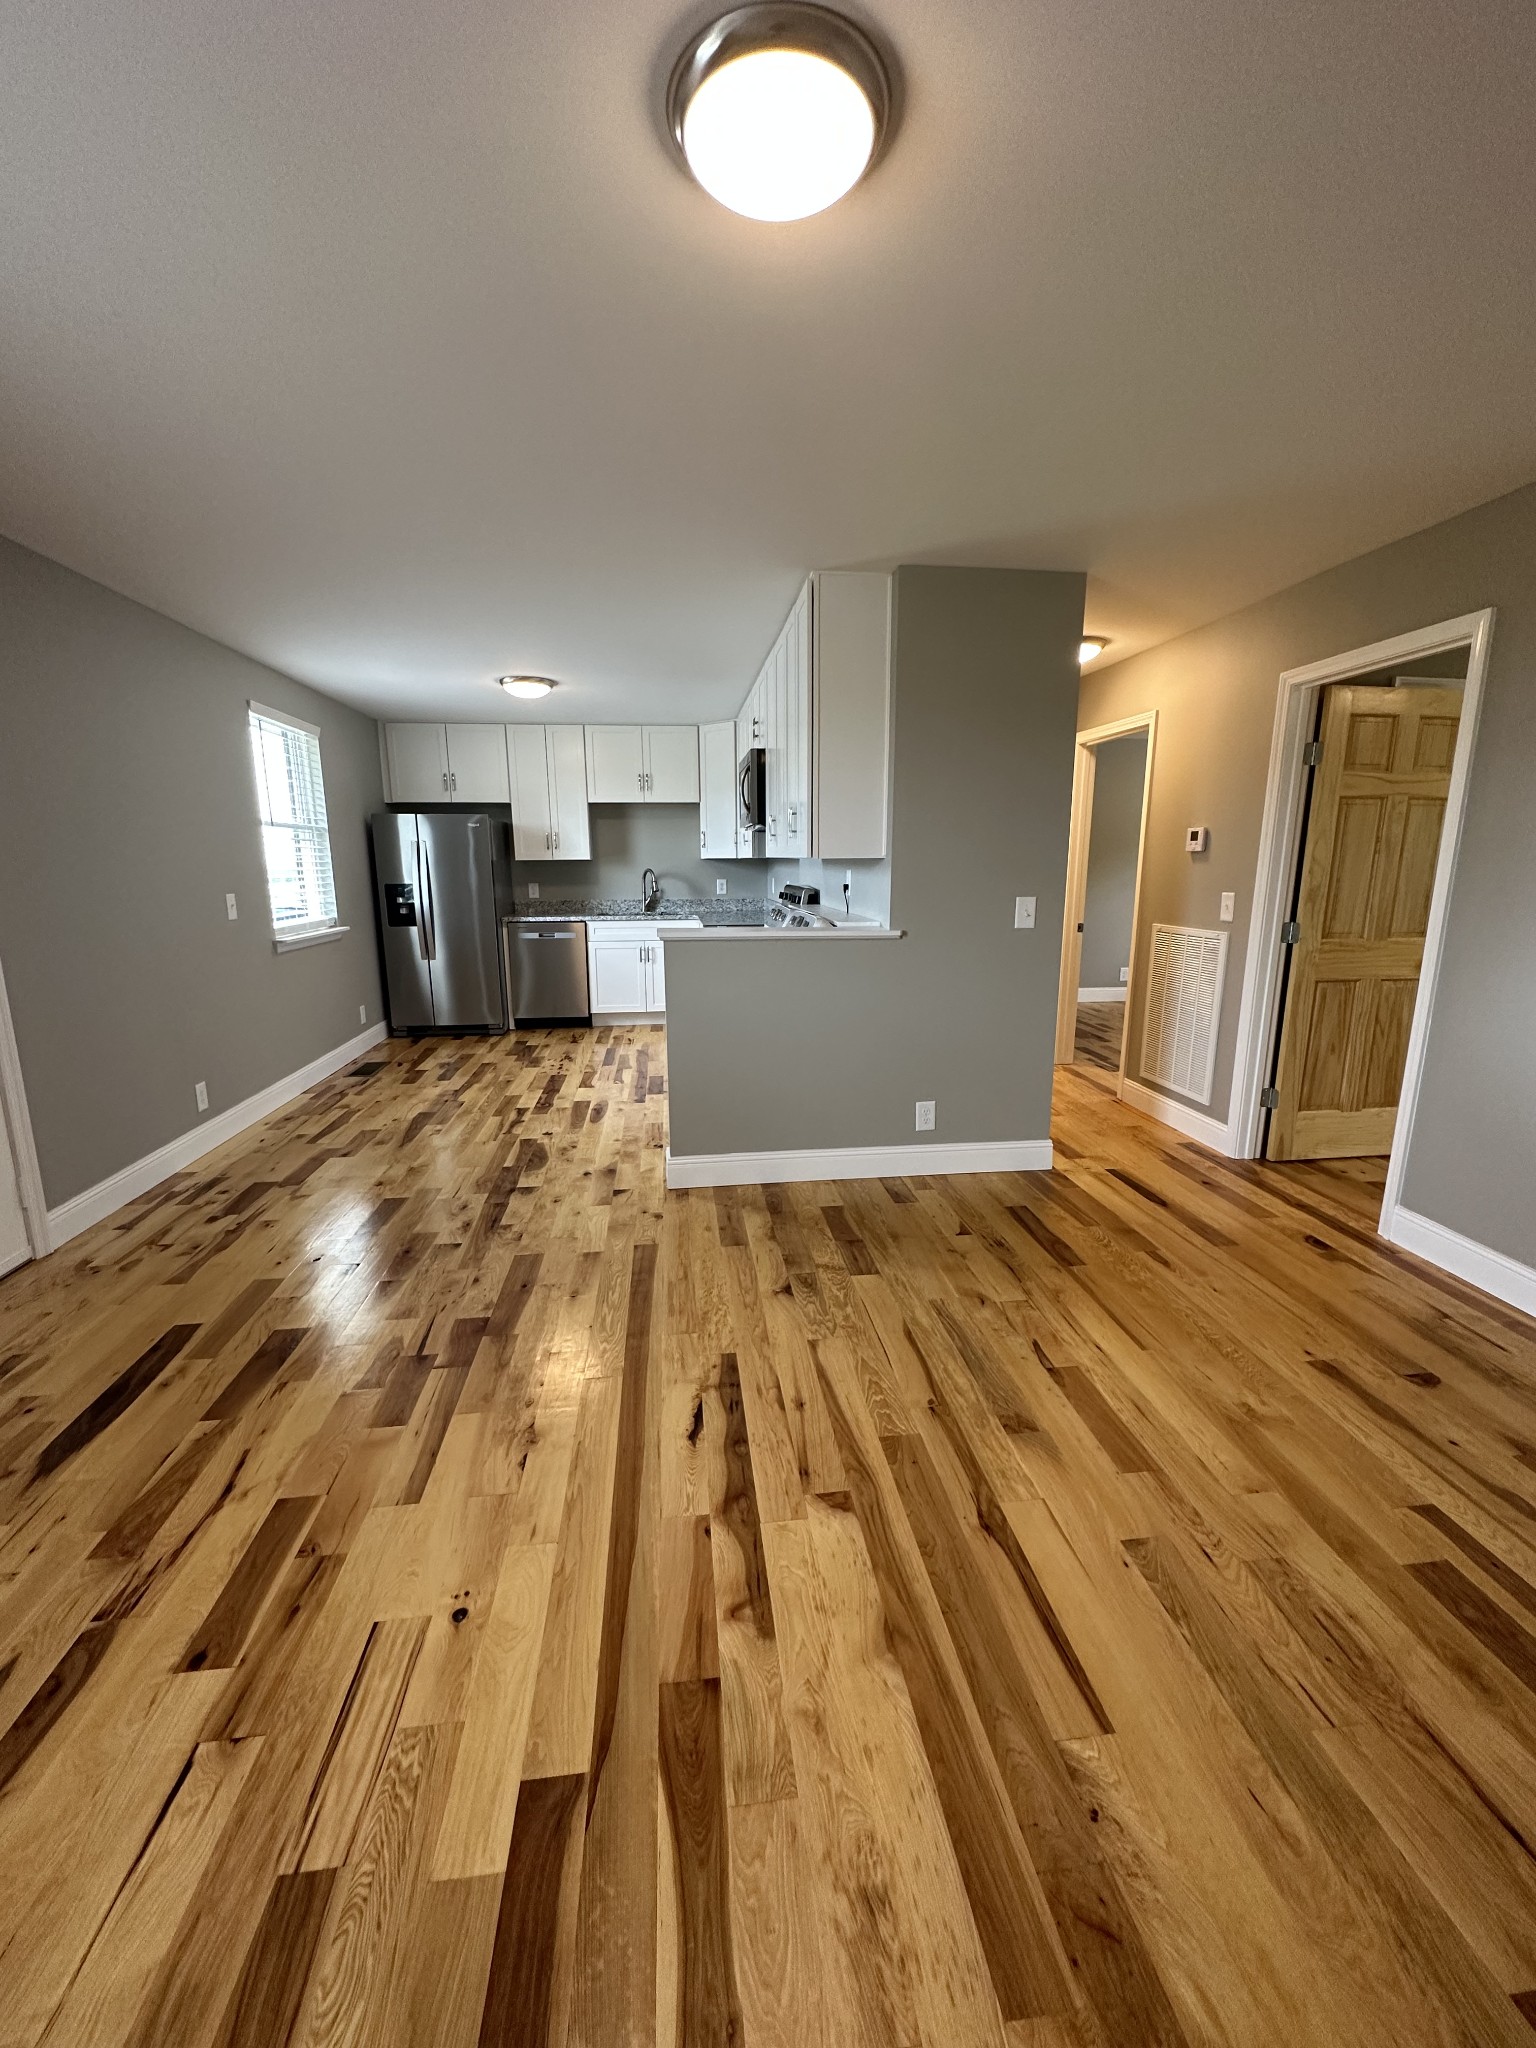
x=1178 y=1040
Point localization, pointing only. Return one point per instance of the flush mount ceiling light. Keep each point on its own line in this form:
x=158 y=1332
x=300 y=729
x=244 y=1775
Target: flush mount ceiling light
x=1091 y=649
x=779 y=108
x=526 y=686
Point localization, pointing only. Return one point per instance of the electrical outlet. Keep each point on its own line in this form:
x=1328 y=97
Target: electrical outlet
x=720 y=885
x=1125 y=974
x=362 y=1013
x=1023 y=913
x=229 y=905
x=925 y=1116
x=533 y=892
x=202 y=1094
x=1228 y=905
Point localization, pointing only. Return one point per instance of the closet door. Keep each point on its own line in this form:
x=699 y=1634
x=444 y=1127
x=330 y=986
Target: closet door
x=532 y=826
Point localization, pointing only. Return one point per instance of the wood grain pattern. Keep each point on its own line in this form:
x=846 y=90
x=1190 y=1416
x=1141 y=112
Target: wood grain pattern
x=454 y=1590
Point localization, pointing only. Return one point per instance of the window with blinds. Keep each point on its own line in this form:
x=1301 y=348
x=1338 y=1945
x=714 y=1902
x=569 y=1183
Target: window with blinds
x=290 y=797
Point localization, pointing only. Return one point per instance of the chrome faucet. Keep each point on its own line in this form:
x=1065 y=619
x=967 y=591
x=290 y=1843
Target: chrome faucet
x=650 y=888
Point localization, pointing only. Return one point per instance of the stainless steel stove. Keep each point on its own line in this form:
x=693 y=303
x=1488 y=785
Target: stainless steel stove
x=795 y=909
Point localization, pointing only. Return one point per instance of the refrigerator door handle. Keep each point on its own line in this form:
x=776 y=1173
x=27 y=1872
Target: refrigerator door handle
x=429 y=932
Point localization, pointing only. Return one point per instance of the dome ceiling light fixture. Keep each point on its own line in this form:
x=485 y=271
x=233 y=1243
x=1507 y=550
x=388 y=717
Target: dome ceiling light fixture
x=526 y=686
x=1093 y=646
x=779 y=108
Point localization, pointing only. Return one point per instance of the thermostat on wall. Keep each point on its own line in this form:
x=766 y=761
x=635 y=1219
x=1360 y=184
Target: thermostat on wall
x=1197 y=839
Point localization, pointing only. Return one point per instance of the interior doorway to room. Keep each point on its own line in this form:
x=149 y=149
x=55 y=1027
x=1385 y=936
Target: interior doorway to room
x=1373 y=813
x=1353 y=884
x=17 y=1165
x=1104 y=859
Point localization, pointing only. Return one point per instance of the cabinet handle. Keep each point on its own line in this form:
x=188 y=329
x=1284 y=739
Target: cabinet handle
x=453 y=781
x=557 y=842
x=546 y=842
x=445 y=778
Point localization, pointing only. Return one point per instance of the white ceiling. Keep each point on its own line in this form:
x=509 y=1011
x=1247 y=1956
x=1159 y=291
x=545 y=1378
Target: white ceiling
x=386 y=342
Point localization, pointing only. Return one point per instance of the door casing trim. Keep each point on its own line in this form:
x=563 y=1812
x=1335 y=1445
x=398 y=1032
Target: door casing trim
x=1279 y=836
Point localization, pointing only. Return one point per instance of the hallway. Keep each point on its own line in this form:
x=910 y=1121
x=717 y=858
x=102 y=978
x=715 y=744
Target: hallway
x=453 y=1591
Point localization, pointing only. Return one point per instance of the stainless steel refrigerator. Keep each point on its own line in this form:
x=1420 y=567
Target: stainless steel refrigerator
x=442 y=880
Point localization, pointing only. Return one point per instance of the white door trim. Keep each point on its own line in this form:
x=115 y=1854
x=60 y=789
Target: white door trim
x=1083 y=773
x=1278 y=848
x=18 y=1124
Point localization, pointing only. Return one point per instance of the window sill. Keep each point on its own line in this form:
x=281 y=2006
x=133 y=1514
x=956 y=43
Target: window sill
x=302 y=939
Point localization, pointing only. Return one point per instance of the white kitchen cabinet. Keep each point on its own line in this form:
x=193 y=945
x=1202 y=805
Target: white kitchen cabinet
x=532 y=821
x=549 y=792
x=717 y=790
x=671 y=764
x=477 y=764
x=618 y=971
x=797 y=728
x=567 y=752
x=616 y=764
x=418 y=763
x=626 y=970
x=643 y=764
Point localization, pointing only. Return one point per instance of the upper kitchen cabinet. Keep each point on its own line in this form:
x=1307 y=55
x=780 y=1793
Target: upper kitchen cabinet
x=447 y=764
x=643 y=764
x=548 y=766
x=418 y=763
x=477 y=764
x=717 y=790
x=821 y=709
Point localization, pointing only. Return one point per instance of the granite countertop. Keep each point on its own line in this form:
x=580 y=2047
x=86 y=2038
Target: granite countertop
x=709 y=910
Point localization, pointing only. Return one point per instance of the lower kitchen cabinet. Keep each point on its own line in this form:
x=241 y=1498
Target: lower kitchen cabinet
x=626 y=970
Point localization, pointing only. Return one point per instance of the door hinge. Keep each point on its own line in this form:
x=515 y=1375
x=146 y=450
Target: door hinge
x=1290 y=933
x=1269 y=1098
x=1312 y=753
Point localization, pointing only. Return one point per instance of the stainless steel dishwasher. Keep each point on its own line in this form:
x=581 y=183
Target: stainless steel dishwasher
x=546 y=969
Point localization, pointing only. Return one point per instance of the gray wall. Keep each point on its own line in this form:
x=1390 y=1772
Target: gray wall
x=1472 y=1166
x=629 y=837
x=127 y=809
x=783 y=1045
x=1109 y=901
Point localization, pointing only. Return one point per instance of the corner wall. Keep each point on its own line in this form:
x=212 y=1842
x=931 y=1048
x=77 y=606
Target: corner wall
x=1471 y=1168
x=127 y=810
x=801 y=1045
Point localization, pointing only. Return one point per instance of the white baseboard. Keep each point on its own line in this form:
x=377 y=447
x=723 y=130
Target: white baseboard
x=1194 y=1123
x=1103 y=995
x=856 y=1162
x=1494 y=1272
x=81 y=1211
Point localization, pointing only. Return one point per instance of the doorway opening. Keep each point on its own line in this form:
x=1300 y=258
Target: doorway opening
x=1111 y=781
x=1363 y=813
x=23 y=1214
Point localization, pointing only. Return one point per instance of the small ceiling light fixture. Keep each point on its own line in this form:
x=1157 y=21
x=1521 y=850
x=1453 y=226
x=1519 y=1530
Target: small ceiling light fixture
x=526 y=686
x=1093 y=646
x=779 y=108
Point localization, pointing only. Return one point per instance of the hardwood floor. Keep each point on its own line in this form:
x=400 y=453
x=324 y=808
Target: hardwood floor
x=453 y=1593
x=1096 y=1042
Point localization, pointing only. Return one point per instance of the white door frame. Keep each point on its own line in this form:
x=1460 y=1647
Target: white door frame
x=1084 y=769
x=1279 y=849
x=17 y=1123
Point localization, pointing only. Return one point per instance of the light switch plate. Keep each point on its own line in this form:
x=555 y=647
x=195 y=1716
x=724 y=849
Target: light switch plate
x=201 y=1092
x=229 y=905
x=1228 y=905
x=925 y=1116
x=1023 y=913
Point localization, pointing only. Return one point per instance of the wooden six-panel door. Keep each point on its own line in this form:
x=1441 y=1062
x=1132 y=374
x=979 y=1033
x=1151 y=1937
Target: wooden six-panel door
x=1367 y=875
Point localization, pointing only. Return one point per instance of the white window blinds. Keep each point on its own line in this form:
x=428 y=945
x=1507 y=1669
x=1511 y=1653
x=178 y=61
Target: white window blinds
x=290 y=797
